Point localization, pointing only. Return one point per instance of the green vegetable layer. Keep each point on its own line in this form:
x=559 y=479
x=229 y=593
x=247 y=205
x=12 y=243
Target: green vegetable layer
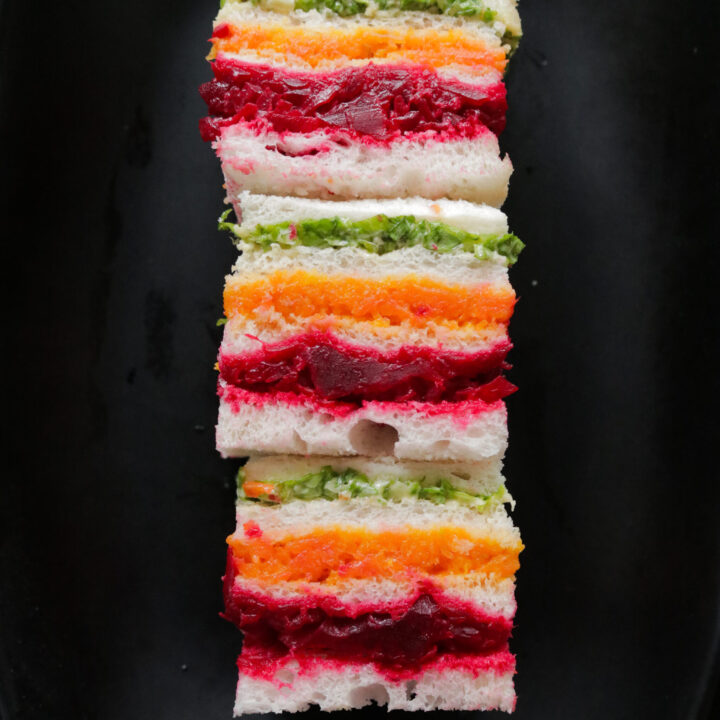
x=380 y=235
x=459 y=8
x=346 y=8
x=329 y=484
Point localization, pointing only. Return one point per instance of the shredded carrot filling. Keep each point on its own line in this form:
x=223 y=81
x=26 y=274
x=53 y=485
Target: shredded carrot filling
x=334 y=554
x=336 y=47
x=397 y=299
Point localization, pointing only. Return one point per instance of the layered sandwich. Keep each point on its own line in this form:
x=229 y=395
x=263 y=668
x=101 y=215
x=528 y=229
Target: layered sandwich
x=356 y=580
x=366 y=328
x=364 y=351
x=357 y=101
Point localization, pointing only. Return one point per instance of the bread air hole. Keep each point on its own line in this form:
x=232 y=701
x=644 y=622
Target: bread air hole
x=372 y=438
x=365 y=695
x=410 y=693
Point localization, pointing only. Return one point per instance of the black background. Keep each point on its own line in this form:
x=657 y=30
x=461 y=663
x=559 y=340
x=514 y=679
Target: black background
x=114 y=506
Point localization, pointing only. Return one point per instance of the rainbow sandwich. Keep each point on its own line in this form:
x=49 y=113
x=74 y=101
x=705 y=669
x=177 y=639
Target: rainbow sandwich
x=358 y=580
x=364 y=351
x=366 y=328
x=356 y=100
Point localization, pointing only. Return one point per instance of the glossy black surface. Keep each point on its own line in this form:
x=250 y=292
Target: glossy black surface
x=114 y=506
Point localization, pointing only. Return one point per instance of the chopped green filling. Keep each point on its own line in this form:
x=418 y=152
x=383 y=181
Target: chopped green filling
x=380 y=234
x=329 y=484
x=460 y=8
x=346 y=8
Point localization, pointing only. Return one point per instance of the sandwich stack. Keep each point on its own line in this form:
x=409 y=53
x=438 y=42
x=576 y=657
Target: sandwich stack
x=362 y=368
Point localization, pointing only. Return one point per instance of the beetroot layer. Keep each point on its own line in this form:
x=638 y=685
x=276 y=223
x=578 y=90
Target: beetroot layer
x=317 y=363
x=375 y=100
x=263 y=663
x=398 y=636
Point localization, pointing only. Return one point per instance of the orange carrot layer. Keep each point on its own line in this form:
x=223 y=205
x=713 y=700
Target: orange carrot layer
x=337 y=47
x=334 y=554
x=397 y=299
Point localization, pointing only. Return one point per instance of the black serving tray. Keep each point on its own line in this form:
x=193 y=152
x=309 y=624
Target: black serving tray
x=114 y=505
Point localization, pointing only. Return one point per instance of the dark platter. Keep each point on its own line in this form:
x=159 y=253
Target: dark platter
x=114 y=505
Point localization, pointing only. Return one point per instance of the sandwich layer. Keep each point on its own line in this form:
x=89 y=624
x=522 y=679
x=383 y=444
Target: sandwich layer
x=330 y=47
x=326 y=543
x=272 y=683
x=287 y=423
x=475 y=17
x=397 y=299
x=279 y=497
x=264 y=210
x=278 y=479
x=376 y=100
x=377 y=235
x=329 y=553
x=342 y=164
x=368 y=515
x=317 y=364
x=405 y=635
x=242 y=334
x=449 y=269
x=355 y=596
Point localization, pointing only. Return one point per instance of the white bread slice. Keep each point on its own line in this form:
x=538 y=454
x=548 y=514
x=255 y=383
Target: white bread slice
x=256 y=424
x=365 y=513
x=279 y=12
x=243 y=334
x=342 y=686
x=483 y=477
x=333 y=164
x=491 y=595
x=253 y=209
x=480 y=76
x=460 y=268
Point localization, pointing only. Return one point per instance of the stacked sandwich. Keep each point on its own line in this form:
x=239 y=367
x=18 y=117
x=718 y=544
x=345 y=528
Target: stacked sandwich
x=363 y=359
x=347 y=98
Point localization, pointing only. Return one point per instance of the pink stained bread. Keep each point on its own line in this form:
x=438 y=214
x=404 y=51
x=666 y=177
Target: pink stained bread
x=287 y=423
x=292 y=684
x=330 y=163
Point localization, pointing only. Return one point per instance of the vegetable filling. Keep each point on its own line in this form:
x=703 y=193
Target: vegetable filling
x=378 y=235
x=329 y=484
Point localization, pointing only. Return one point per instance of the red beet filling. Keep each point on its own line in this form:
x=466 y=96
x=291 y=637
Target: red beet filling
x=375 y=100
x=320 y=365
x=428 y=629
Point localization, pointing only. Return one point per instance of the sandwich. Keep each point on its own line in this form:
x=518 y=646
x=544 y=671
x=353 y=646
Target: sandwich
x=356 y=580
x=365 y=348
x=366 y=328
x=391 y=104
